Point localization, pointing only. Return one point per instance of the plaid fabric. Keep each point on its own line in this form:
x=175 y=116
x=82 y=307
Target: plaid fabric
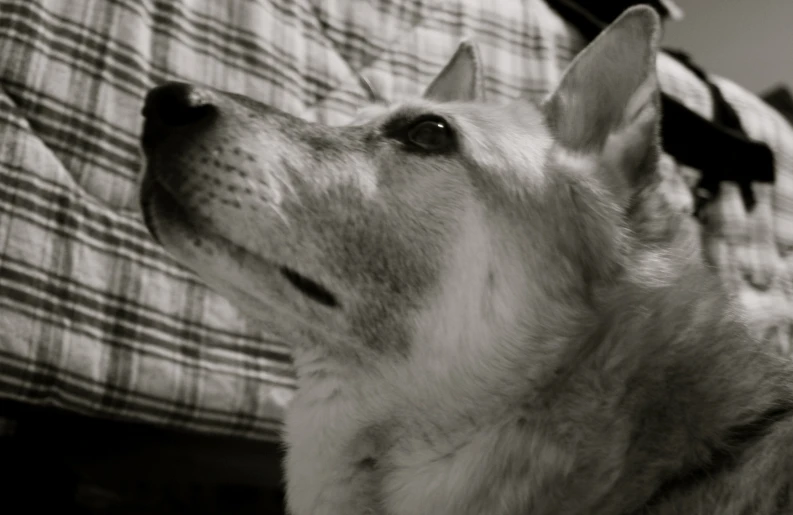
x=96 y=318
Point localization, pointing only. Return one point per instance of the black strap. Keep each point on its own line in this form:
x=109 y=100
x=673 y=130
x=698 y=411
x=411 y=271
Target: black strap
x=735 y=166
x=720 y=149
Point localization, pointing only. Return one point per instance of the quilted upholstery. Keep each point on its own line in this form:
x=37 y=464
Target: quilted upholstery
x=96 y=318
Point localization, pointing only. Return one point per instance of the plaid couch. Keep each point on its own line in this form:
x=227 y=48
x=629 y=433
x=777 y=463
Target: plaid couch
x=95 y=318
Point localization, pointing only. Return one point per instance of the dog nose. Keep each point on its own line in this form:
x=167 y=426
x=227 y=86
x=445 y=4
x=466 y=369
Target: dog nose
x=177 y=103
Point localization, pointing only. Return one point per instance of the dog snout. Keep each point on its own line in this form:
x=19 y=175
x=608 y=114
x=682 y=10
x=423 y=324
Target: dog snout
x=177 y=103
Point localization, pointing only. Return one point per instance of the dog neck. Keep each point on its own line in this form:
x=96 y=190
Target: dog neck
x=648 y=387
x=668 y=381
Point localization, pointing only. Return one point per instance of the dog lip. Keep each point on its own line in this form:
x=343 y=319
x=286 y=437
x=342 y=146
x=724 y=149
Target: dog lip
x=309 y=287
x=150 y=189
x=148 y=219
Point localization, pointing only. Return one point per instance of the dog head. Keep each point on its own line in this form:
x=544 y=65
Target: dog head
x=435 y=230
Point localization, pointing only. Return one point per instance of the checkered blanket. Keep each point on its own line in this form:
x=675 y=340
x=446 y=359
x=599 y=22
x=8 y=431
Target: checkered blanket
x=96 y=318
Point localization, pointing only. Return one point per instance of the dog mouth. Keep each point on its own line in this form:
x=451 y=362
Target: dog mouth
x=160 y=207
x=149 y=190
x=308 y=287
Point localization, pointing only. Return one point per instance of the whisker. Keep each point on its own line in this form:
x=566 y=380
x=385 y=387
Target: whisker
x=374 y=96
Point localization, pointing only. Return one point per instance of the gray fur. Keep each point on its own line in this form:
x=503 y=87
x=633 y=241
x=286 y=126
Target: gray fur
x=504 y=325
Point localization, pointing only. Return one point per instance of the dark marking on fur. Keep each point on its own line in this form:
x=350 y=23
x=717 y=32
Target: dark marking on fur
x=368 y=463
x=782 y=497
x=725 y=454
x=321 y=146
x=752 y=507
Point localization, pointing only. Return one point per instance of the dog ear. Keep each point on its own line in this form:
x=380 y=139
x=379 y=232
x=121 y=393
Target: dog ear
x=607 y=104
x=461 y=79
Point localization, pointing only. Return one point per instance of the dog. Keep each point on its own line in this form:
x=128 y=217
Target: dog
x=486 y=317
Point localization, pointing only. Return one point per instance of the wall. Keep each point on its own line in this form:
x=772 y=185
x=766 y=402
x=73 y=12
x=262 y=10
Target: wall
x=748 y=41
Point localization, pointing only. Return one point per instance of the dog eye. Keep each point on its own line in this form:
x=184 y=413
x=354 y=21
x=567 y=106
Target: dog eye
x=431 y=134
